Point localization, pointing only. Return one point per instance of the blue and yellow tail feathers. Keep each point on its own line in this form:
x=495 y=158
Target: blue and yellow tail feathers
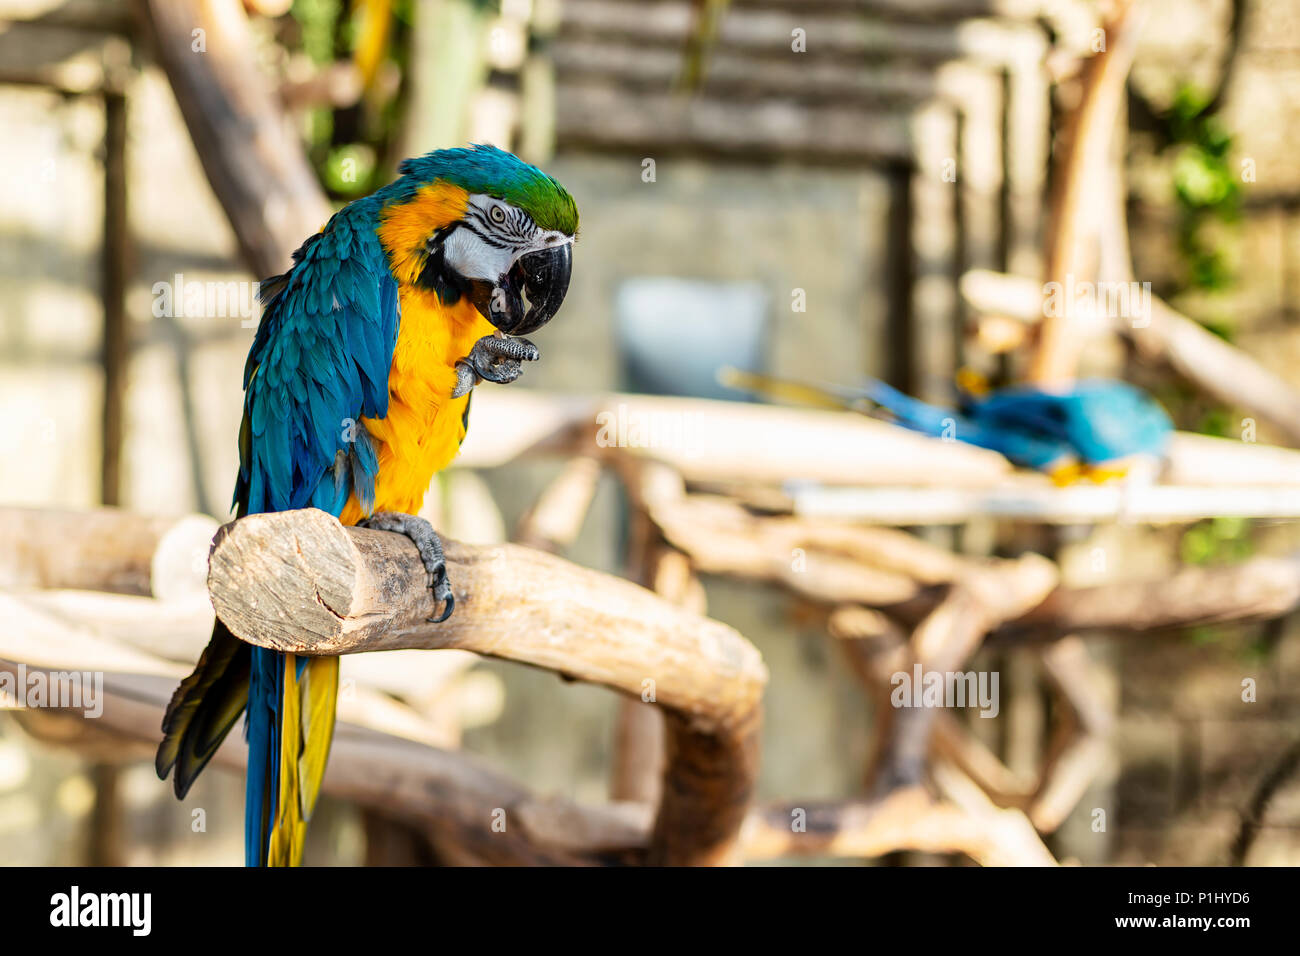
x=306 y=729
x=290 y=702
x=290 y=725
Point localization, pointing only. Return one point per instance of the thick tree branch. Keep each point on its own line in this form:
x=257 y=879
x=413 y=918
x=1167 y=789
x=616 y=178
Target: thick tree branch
x=301 y=582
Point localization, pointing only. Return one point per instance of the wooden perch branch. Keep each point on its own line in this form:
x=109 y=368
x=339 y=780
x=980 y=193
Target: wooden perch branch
x=1219 y=368
x=870 y=470
x=707 y=440
x=301 y=582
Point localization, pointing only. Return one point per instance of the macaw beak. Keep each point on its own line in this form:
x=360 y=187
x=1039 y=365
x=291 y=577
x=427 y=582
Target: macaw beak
x=542 y=276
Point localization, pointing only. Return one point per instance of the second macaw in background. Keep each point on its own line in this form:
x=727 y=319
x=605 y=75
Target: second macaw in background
x=356 y=394
x=1096 y=429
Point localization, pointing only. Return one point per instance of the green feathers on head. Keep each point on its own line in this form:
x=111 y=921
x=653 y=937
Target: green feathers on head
x=493 y=172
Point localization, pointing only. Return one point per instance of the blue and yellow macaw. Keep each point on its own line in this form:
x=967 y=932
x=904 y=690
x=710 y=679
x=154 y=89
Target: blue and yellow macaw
x=1096 y=429
x=356 y=393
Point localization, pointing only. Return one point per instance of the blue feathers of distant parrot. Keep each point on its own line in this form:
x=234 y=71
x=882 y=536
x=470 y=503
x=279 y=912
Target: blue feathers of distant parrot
x=1094 y=426
x=1094 y=423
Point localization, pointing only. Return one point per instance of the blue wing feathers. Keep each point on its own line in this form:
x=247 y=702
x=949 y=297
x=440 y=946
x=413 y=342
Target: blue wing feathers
x=320 y=359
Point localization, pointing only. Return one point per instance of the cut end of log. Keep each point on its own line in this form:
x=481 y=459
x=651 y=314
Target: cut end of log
x=303 y=576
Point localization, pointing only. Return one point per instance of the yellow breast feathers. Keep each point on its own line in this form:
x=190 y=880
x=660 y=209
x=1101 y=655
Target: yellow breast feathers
x=424 y=426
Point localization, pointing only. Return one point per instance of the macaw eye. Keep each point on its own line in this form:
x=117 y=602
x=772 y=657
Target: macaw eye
x=497 y=213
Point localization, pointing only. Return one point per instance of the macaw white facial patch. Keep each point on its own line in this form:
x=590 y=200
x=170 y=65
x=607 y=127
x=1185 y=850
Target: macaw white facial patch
x=492 y=236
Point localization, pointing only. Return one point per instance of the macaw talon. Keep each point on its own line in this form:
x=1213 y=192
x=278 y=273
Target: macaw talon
x=429 y=545
x=466 y=378
x=494 y=358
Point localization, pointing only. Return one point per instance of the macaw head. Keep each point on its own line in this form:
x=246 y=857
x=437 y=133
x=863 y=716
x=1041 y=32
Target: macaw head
x=480 y=223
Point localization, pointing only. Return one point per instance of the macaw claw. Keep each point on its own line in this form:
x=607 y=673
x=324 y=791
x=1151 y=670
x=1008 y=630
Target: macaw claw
x=429 y=545
x=494 y=358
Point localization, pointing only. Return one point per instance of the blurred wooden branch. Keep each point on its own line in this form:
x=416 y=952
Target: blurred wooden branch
x=1079 y=746
x=103 y=550
x=1080 y=174
x=836 y=562
x=1259 y=589
x=251 y=153
x=1043 y=503
x=954 y=603
x=1218 y=367
x=828 y=459
x=554 y=521
x=707 y=440
x=904 y=819
x=979 y=599
x=451 y=796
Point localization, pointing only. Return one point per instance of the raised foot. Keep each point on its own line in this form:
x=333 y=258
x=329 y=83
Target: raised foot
x=428 y=544
x=493 y=358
